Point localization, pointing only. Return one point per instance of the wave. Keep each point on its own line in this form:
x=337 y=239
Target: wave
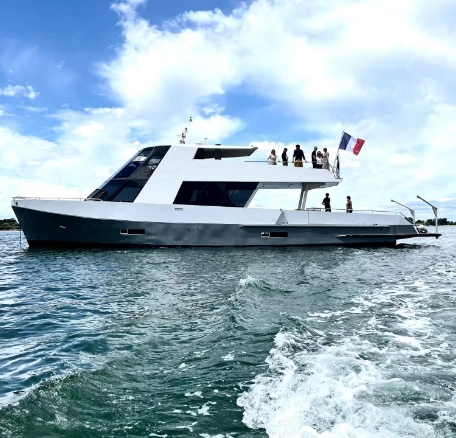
x=324 y=394
x=381 y=369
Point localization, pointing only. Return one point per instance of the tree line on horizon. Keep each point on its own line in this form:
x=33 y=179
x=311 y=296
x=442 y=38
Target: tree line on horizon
x=9 y=224
x=430 y=222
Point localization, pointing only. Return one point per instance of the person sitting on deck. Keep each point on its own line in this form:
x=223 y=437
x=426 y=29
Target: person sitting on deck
x=298 y=156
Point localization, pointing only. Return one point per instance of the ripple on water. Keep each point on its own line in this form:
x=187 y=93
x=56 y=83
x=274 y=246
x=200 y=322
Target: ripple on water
x=295 y=342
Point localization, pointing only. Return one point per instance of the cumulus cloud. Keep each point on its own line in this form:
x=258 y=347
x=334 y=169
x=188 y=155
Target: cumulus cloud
x=390 y=80
x=19 y=90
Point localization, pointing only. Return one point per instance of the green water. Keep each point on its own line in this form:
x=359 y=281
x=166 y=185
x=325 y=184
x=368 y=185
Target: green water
x=331 y=342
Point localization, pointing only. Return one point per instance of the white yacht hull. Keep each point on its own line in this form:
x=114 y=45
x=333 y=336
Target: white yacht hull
x=97 y=224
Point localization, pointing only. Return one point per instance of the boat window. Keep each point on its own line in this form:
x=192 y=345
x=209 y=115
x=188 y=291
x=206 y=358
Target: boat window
x=128 y=192
x=127 y=183
x=110 y=188
x=275 y=234
x=133 y=231
x=225 y=194
x=97 y=194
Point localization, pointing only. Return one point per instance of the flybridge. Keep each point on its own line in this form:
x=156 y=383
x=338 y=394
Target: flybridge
x=202 y=175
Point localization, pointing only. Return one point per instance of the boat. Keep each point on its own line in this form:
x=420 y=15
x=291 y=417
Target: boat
x=199 y=195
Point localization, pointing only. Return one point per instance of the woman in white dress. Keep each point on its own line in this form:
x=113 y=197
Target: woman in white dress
x=325 y=159
x=272 y=159
x=319 y=164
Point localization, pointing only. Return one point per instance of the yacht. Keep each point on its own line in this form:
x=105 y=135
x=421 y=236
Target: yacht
x=183 y=195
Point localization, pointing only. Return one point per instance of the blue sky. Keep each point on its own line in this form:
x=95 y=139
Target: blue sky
x=84 y=84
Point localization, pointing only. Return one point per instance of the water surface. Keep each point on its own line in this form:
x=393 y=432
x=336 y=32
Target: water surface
x=279 y=342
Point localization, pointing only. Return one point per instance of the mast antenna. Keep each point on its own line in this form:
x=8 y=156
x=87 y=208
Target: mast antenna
x=183 y=136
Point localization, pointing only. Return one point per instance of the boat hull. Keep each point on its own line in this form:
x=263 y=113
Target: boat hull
x=46 y=229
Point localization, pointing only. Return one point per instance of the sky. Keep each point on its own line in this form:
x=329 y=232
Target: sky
x=84 y=85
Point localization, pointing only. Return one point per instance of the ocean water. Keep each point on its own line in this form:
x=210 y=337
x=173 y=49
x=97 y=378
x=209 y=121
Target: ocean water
x=218 y=343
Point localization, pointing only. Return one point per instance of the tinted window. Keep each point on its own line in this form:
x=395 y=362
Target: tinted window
x=128 y=192
x=111 y=187
x=129 y=181
x=128 y=169
x=225 y=194
x=159 y=152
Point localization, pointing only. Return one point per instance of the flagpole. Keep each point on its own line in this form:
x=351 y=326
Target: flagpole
x=337 y=155
x=336 y=159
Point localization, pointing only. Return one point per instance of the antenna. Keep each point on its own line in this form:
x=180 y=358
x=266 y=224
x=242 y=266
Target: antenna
x=183 y=136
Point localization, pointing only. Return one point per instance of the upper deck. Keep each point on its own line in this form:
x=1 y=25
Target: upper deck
x=161 y=175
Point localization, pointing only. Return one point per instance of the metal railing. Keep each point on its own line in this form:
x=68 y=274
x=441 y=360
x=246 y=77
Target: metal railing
x=34 y=198
x=317 y=209
x=306 y=164
x=323 y=209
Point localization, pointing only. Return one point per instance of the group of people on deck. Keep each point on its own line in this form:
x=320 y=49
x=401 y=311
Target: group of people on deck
x=327 y=204
x=320 y=160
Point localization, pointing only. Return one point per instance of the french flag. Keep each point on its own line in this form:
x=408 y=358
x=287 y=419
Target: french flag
x=351 y=144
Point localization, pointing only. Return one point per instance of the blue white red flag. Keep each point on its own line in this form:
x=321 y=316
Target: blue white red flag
x=351 y=144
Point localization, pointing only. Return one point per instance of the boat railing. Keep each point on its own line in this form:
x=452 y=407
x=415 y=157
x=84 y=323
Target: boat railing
x=33 y=198
x=307 y=164
x=323 y=209
x=317 y=209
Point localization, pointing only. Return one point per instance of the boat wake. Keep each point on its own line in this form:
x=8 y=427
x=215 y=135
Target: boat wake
x=379 y=369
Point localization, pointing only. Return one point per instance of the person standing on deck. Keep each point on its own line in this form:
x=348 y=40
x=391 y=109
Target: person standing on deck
x=298 y=156
x=314 y=157
x=285 y=157
x=327 y=203
x=272 y=159
x=349 y=205
x=319 y=164
x=325 y=159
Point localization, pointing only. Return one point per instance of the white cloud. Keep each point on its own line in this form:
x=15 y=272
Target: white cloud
x=33 y=109
x=390 y=79
x=19 y=90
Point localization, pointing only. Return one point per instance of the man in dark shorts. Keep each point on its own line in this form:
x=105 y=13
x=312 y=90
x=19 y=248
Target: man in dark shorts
x=349 y=205
x=327 y=202
x=298 y=156
x=314 y=157
x=285 y=157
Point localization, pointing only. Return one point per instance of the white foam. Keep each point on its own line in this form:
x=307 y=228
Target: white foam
x=228 y=357
x=220 y=435
x=246 y=281
x=194 y=394
x=324 y=394
x=348 y=386
x=204 y=410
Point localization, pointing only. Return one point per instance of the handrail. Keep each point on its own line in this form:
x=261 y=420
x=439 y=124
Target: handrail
x=330 y=168
x=52 y=199
x=319 y=209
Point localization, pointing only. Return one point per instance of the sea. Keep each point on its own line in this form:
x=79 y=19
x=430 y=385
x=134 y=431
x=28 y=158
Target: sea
x=229 y=342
